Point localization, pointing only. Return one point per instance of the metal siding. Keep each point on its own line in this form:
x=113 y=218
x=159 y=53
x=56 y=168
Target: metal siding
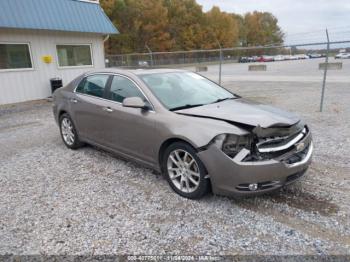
x=18 y=86
x=61 y=15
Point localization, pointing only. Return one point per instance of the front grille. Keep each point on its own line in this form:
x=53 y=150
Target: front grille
x=277 y=144
x=273 y=142
x=279 y=148
x=273 y=155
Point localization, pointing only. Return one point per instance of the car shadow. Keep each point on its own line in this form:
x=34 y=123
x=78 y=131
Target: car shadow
x=292 y=196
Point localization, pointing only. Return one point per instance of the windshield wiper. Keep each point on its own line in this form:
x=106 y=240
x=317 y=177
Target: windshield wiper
x=184 y=107
x=222 y=99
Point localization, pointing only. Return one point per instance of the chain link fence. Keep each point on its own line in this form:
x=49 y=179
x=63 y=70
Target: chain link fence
x=301 y=65
x=225 y=55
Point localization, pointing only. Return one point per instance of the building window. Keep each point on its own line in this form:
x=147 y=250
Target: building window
x=15 y=56
x=74 y=55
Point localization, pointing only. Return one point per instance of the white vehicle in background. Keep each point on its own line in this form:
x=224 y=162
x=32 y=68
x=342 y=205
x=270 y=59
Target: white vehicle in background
x=302 y=56
x=143 y=64
x=278 y=58
x=290 y=57
x=342 y=56
x=314 y=55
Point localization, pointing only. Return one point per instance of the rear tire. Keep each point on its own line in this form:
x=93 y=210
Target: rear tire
x=68 y=132
x=184 y=171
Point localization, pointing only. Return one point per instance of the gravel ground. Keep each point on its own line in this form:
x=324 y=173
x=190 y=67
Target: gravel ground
x=57 y=201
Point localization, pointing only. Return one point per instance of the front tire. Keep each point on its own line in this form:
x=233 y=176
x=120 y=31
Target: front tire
x=184 y=171
x=68 y=132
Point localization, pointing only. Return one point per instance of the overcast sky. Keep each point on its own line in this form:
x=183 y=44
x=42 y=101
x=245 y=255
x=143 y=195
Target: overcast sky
x=297 y=16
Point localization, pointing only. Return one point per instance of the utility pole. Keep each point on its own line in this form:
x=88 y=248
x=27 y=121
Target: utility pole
x=325 y=73
x=150 y=54
x=220 y=65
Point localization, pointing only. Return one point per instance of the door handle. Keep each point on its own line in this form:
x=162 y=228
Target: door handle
x=108 y=109
x=73 y=100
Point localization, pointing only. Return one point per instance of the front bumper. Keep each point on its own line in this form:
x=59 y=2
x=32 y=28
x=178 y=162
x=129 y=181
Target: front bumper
x=232 y=176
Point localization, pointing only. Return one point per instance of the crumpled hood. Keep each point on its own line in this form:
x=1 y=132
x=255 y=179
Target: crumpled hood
x=245 y=112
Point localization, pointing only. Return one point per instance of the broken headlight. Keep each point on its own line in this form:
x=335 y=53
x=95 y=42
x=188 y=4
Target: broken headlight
x=231 y=145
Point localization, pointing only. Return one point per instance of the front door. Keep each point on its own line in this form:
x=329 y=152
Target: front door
x=130 y=130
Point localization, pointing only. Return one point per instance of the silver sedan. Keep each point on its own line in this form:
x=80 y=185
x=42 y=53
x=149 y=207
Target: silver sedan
x=201 y=136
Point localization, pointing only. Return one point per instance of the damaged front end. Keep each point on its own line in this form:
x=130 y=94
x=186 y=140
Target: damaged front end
x=262 y=160
x=261 y=149
x=266 y=143
x=288 y=144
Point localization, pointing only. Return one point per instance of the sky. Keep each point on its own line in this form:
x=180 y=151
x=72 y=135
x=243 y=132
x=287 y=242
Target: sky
x=301 y=20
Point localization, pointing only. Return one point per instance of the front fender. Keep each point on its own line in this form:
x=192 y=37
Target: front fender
x=197 y=131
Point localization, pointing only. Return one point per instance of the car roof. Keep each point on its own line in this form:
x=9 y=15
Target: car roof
x=143 y=71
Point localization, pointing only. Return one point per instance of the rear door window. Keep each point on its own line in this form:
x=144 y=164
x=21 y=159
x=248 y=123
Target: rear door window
x=94 y=85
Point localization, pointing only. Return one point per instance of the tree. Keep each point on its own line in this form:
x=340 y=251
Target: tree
x=108 y=6
x=185 y=23
x=140 y=23
x=168 y=25
x=152 y=25
x=241 y=29
x=261 y=28
x=221 y=28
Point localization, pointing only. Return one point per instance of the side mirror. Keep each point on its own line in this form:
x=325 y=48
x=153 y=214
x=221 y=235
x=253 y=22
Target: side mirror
x=134 y=102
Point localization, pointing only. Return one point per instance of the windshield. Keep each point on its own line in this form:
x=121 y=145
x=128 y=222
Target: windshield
x=181 y=90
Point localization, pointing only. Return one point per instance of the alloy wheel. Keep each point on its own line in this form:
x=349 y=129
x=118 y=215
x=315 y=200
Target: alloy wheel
x=183 y=171
x=67 y=131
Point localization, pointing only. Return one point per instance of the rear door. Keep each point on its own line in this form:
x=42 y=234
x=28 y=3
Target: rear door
x=88 y=107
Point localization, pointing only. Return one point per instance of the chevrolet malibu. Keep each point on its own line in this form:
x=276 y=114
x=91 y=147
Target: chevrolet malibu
x=201 y=136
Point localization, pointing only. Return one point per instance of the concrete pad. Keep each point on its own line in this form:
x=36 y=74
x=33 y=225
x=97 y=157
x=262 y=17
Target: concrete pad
x=331 y=66
x=257 y=68
x=201 y=68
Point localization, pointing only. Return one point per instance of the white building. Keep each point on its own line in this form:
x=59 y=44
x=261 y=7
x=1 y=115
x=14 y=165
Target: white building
x=43 y=39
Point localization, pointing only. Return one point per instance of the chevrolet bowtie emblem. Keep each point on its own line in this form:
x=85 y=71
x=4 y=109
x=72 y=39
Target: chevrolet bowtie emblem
x=300 y=146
